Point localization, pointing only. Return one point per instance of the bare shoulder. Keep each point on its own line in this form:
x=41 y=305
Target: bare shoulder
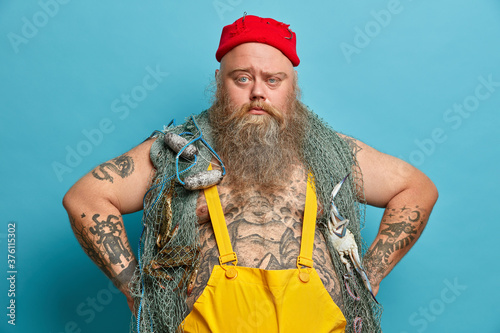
x=352 y=142
x=123 y=180
x=384 y=175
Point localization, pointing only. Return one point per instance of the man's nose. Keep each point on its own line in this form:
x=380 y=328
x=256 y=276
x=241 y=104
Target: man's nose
x=258 y=91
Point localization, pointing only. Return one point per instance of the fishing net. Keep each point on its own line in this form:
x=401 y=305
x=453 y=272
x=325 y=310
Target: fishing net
x=169 y=247
x=331 y=159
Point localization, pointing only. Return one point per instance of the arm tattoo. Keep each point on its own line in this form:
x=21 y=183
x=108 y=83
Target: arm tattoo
x=122 y=165
x=89 y=247
x=352 y=143
x=108 y=249
x=399 y=229
x=122 y=280
x=109 y=233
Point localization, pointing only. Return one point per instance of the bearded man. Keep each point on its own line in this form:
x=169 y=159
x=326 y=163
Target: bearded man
x=274 y=245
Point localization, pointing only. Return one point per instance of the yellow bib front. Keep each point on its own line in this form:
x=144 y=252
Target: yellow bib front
x=242 y=299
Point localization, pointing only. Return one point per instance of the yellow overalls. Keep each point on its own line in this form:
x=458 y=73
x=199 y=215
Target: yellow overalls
x=242 y=299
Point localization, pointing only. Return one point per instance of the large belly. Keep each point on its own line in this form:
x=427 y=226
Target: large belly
x=272 y=247
x=265 y=230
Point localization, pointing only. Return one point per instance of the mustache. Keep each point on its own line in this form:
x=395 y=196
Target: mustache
x=272 y=111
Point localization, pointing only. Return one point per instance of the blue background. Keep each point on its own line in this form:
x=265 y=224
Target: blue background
x=62 y=77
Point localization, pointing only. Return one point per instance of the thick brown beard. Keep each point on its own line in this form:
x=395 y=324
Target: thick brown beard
x=258 y=150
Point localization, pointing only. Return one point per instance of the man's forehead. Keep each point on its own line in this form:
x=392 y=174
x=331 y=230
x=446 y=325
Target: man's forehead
x=256 y=58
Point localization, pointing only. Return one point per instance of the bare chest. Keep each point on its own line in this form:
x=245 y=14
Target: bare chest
x=265 y=232
x=258 y=222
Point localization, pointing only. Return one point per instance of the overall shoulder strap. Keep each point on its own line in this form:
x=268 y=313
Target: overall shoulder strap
x=219 y=225
x=308 y=225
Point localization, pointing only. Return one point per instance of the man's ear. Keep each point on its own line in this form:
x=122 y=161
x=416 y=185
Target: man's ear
x=216 y=73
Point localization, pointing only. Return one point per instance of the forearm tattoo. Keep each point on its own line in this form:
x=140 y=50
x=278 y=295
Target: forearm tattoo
x=122 y=165
x=399 y=230
x=90 y=248
x=106 y=247
x=121 y=281
x=108 y=231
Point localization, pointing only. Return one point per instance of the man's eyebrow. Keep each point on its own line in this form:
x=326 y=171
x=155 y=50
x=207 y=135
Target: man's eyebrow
x=250 y=70
x=240 y=70
x=275 y=73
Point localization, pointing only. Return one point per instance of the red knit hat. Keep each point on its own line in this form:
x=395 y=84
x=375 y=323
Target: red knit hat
x=256 y=29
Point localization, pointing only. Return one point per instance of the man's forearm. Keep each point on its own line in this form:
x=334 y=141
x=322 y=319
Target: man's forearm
x=104 y=240
x=402 y=224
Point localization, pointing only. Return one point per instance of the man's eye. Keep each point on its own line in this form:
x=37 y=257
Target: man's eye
x=243 y=79
x=273 y=80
